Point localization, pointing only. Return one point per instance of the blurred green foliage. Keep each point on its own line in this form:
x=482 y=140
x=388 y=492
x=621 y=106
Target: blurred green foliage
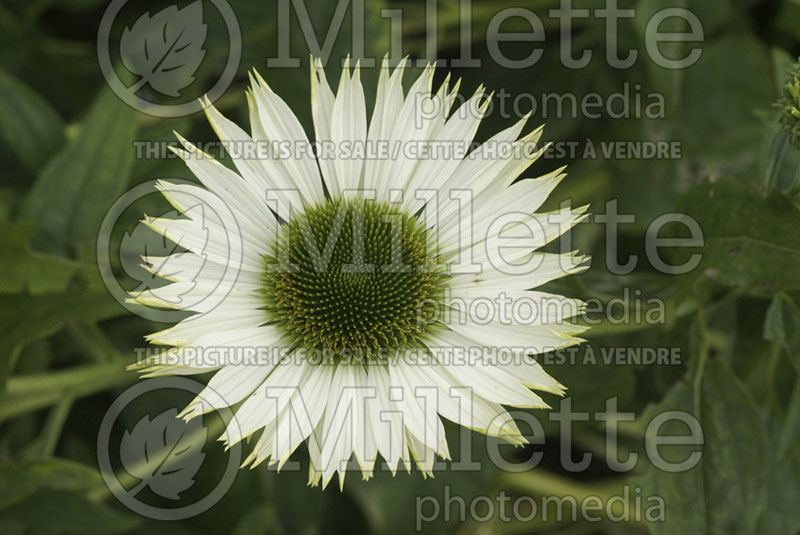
x=68 y=153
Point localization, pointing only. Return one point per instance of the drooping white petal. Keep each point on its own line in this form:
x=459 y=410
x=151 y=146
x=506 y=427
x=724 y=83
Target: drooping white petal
x=288 y=405
x=228 y=386
x=461 y=405
x=334 y=441
x=386 y=419
x=310 y=406
x=365 y=448
x=265 y=405
x=190 y=267
x=422 y=454
x=418 y=401
x=209 y=228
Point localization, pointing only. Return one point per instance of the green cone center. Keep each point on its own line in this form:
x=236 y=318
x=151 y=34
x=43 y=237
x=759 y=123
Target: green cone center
x=354 y=279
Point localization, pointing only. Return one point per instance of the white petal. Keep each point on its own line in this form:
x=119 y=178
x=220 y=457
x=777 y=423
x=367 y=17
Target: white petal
x=310 y=400
x=238 y=195
x=210 y=228
x=190 y=267
x=364 y=444
x=278 y=123
x=523 y=197
x=459 y=404
x=262 y=174
x=484 y=173
x=418 y=404
x=388 y=100
x=222 y=318
x=386 y=419
x=457 y=354
x=265 y=406
x=505 y=241
x=322 y=99
x=539 y=269
x=229 y=386
x=535 y=339
x=408 y=130
x=515 y=305
x=335 y=441
x=348 y=127
x=423 y=455
x=217 y=349
x=456 y=134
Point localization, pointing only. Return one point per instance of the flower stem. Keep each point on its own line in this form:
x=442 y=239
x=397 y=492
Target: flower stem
x=28 y=393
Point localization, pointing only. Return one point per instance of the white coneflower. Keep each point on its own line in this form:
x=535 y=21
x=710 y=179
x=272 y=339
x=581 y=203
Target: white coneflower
x=361 y=278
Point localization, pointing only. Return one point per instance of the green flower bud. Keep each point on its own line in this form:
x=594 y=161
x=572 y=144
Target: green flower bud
x=789 y=103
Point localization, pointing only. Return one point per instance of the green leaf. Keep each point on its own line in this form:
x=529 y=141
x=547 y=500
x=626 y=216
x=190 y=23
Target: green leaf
x=782 y=325
x=50 y=512
x=24 y=318
x=47 y=441
x=782 y=516
x=28 y=270
x=783 y=165
x=25 y=393
x=725 y=492
x=257 y=521
x=78 y=185
x=7 y=200
x=77 y=5
x=388 y=500
x=20 y=480
x=750 y=240
x=719 y=97
x=29 y=125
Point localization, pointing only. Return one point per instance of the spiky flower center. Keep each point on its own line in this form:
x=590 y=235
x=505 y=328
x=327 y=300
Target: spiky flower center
x=354 y=279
